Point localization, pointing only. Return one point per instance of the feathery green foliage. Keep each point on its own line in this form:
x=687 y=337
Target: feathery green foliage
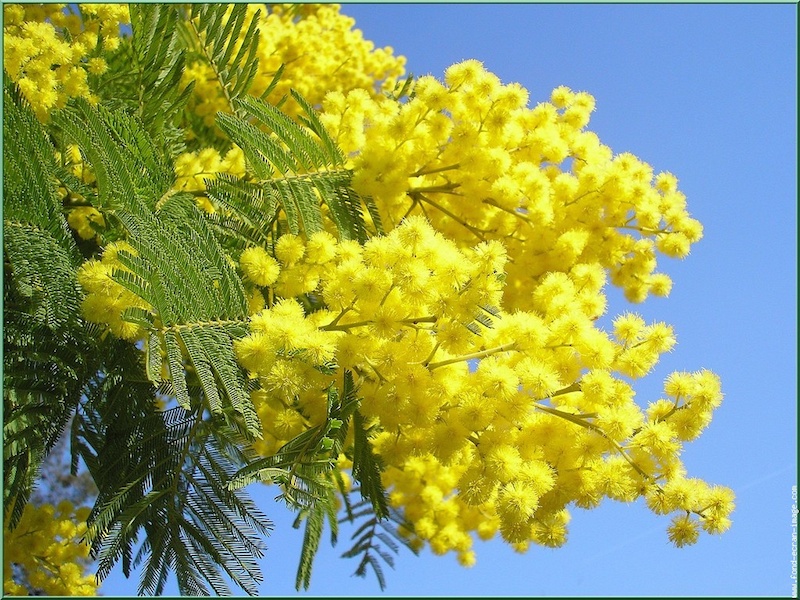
x=148 y=66
x=174 y=489
x=247 y=211
x=161 y=472
x=46 y=349
x=305 y=470
x=303 y=466
x=372 y=531
x=164 y=426
x=299 y=166
x=367 y=469
x=212 y=31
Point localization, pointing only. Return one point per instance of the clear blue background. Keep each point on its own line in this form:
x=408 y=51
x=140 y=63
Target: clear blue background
x=708 y=92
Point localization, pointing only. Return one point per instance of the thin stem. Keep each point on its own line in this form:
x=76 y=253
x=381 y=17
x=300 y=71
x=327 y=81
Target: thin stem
x=409 y=321
x=338 y=318
x=213 y=66
x=474 y=230
x=576 y=198
x=374 y=368
x=167 y=195
x=386 y=295
x=578 y=419
x=424 y=171
x=675 y=408
x=347 y=326
x=415 y=320
x=211 y=323
x=432 y=354
x=474 y=355
x=642 y=229
x=575 y=387
x=414 y=202
x=581 y=421
x=446 y=188
x=519 y=215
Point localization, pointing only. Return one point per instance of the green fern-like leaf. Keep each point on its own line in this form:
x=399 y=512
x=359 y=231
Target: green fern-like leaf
x=402 y=89
x=300 y=165
x=132 y=172
x=367 y=468
x=213 y=32
x=305 y=470
x=145 y=73
x=30 y=174
x=177 y=267
x=370 y=537
x=246 y=211
x=311 y=120
x=307 y=154
x=314 y=518
x=48 y=352
x=302 y=465
x=42 y=273
x=163 y=474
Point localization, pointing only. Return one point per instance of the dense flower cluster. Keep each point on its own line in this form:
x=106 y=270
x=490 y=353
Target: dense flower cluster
x=319 y=50
x=51 y=53
x=542 y=420
x=386 y=302
x=472 y=157
x=192 y=169
x=106 y=300
x=44 y=553
x=492 y=395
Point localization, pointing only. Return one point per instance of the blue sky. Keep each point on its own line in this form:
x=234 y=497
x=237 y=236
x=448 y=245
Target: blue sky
x=708 y=92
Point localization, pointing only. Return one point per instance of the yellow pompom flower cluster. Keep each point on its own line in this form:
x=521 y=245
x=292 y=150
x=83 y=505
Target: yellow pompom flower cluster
x=287 y=352
x=381 y=300
x=542 y=420
x=50 y=52
x=106 y=300
x=493 y=397
x=320 y=51
x=259 y=267
x=193 y=169
x=45 y=549
x=73 y=160
x=84 y=219
x=472 y=157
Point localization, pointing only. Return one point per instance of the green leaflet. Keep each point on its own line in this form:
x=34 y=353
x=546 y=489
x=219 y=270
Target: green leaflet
x=305 y=470
x=367 y=468
x=48 y=353
x=298 y=165
x=44 y=275
x=378 y=523
x=163 y=474
x=29 y=181
x=213 y=33
x=132 y=171
x=371 y=536
x=157 y=67
x=298 y=464
x=178 y=266
x=247 y=211
x=401 y=89
x=311 y=120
